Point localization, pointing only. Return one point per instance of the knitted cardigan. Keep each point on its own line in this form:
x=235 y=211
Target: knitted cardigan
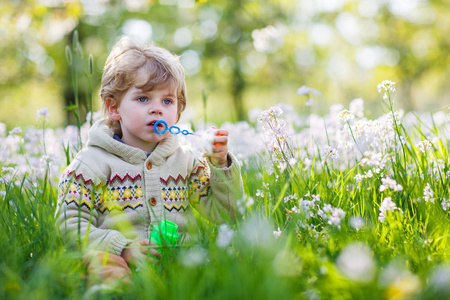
x=115 y=193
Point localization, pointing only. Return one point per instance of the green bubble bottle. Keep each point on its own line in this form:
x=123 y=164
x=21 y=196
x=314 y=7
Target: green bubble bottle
x=164 y=234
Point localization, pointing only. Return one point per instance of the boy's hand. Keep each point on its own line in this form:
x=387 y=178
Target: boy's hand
x=106 y=267
x=219 y=157
x=138 y=252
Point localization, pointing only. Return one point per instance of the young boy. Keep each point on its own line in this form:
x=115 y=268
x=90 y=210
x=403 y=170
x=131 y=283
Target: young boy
x=130 y=177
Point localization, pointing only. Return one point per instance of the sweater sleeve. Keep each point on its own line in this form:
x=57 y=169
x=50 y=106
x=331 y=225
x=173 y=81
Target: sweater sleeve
x=214 y=192
x=79 y=193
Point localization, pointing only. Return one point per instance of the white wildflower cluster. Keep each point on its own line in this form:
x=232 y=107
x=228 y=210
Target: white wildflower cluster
x=275 y=130
x=357 y=222
x=224 y=236
x=42 y=114
x=445 y=204
x=290 y=198
x=245 y=203
x=307 y=91
x=16 y=131
x=424 y=146
x=386 y=205
x=356 y=262
x=428 y=194
x=39 y=153
x=389 y=183
x=311 y=208
x=373 y=158
x=307 y=207
x=367 y=174
x=332 y=215
x=277 y=233
x=345 y=116
x=329 y=152
x=357 y=107
x=386 y=86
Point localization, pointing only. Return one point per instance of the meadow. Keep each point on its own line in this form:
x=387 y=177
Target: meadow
x=336 y=207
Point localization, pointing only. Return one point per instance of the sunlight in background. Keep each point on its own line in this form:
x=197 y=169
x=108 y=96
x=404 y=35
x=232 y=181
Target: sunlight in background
x=140 y=28
x=342 y=45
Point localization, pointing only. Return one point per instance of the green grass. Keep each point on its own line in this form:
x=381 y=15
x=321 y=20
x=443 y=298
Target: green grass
x=409 y=250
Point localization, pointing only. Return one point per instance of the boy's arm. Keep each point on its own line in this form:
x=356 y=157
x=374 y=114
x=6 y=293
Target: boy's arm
x=214 y=192
x=77 y=212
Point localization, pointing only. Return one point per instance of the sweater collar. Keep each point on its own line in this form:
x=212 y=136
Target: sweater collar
x=102 y=136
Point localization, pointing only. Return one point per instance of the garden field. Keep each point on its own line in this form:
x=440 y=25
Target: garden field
x=336 y=207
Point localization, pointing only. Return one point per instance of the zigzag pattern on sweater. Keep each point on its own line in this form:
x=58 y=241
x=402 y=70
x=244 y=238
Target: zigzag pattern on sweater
x=204 y=194
x=179 y=177
x=104 y=206
x=79 y=176
x=119 y=208
x=78 y=204
x=176 y=207
x=122 y=179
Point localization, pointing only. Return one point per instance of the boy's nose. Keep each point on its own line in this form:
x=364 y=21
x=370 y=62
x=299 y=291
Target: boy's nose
x=155 y=111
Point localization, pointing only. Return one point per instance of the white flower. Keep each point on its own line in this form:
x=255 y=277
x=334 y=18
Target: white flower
x=391 y=184
x=387 y=205
x=259 y=193
x=356 y=262
x=330 y=152
x=357 y=222
x=289 y=198
x=3 y=193
x=386 y=86
x=345 y=116
x=358 y=178
x=16 y=131
x=424 y=145
x=304 y=90
x=8 y=170
x=445 y=204
x=250 y=202
x=368 y=174
x=277 y=233
x=428 y=194
x=336 y=217
x=374 y=159
x=193 y=257
x=244 y=203
x=224 y=236
x=42 y=114
x=357 y=107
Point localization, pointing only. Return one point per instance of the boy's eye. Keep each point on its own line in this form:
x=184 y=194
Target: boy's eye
x=142 y=99
x=167 y=101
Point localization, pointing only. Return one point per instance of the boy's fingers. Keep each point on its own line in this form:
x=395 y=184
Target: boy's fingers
x=220 y=140
x=155 y=253
x=221 y=132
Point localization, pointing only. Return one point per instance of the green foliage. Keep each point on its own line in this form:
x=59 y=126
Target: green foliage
x=411 y=46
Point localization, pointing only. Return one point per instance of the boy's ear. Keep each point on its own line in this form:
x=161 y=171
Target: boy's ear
x=112 y=108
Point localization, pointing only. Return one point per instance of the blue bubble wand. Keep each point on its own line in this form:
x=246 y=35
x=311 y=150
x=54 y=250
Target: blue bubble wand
x=177 y=130
x=172 y=129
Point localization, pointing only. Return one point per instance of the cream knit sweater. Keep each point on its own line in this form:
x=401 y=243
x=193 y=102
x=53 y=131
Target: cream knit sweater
x=114 y=193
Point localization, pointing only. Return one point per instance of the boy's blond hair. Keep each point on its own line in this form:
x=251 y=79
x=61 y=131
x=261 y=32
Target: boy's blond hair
x=127 y=57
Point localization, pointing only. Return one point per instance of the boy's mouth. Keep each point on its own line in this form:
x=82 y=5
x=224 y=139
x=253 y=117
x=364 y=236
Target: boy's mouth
x=152 y=124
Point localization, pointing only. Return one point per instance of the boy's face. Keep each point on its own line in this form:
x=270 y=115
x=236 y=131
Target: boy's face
x=138 y=111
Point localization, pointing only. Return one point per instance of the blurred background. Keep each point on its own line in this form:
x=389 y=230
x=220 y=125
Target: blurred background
x=240 y=54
